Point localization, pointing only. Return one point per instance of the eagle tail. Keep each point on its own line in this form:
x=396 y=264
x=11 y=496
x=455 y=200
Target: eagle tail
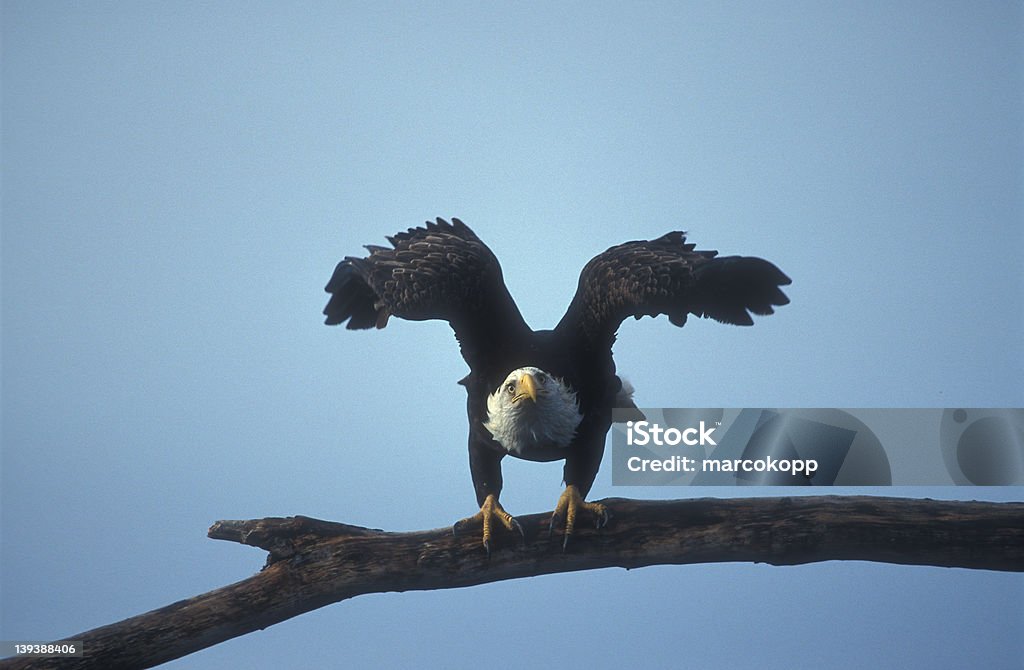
x=728 y=289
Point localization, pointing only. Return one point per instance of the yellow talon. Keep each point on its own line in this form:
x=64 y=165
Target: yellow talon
x=569 y=504
x=488 y=511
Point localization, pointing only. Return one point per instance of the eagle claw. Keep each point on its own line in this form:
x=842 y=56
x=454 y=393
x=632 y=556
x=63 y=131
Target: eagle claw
x=490 y=510
x=569 y=505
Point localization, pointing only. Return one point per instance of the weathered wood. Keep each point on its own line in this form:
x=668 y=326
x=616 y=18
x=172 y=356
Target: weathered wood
x=313 y=563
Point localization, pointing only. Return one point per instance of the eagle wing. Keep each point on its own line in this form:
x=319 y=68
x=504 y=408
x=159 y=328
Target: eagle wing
x=440 y=271
x=668 y=276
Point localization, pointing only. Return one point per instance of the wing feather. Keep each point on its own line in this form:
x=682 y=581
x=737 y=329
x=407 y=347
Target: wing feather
x=439 y=271
x=669 y=276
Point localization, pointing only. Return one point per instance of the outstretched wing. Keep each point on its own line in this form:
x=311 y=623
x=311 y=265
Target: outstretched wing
x=668 y=276
x=441 y=271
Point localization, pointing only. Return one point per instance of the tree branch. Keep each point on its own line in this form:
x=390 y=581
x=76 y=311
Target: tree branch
x=313 y=563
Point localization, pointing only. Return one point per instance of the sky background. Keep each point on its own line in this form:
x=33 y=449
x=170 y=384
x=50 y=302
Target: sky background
x=179 y=180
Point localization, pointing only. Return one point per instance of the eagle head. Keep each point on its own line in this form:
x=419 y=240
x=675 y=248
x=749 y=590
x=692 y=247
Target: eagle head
x=533 y=411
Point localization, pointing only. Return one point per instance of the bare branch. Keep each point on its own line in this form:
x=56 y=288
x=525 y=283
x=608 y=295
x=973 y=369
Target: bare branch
x=313 y=563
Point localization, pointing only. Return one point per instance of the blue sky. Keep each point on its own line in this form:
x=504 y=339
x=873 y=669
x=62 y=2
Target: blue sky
x=179 y=180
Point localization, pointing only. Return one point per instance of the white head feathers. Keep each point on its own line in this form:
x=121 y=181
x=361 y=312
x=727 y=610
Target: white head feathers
x=532 y=410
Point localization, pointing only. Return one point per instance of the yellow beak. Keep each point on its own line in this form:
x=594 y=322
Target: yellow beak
x=526 y=387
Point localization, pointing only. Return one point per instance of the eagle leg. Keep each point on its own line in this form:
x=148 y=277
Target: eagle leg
x=489 y=511
x=568 y=507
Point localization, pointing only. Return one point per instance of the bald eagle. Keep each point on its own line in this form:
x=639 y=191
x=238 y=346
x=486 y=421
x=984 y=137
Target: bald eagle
x=543 y=395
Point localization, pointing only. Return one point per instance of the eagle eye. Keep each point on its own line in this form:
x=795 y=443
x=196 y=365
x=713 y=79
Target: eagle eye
x=510 y=387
